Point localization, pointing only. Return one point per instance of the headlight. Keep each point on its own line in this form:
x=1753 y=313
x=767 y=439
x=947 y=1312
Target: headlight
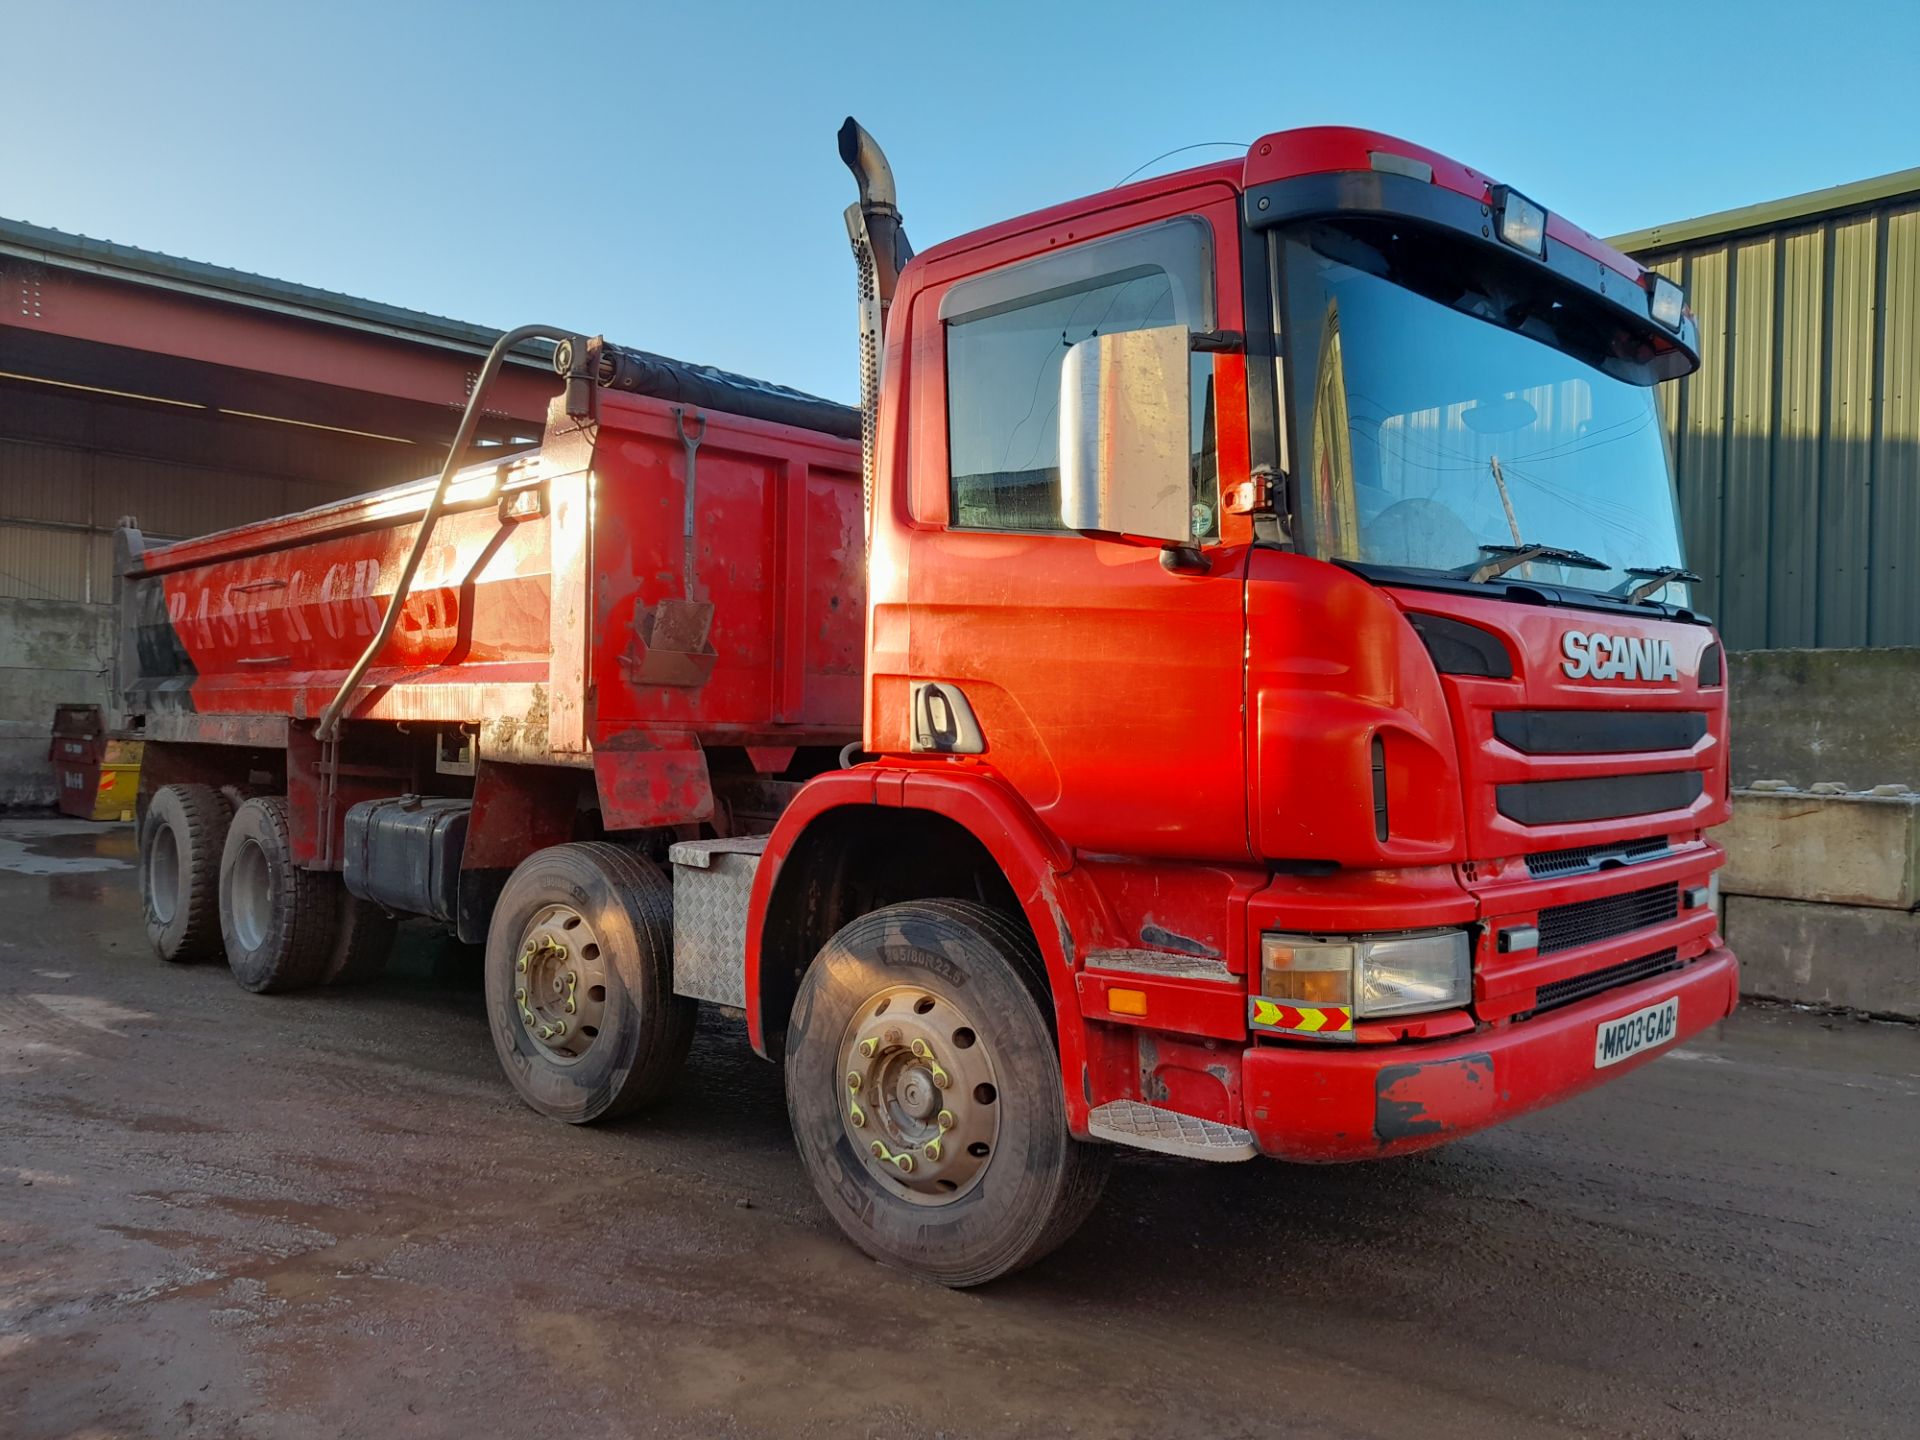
x=1390 y=975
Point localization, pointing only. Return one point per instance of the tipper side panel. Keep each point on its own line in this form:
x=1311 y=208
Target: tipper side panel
x=778 y=553
x=267 y=619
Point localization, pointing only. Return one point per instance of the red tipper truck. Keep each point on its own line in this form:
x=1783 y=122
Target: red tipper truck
x=1252 y=705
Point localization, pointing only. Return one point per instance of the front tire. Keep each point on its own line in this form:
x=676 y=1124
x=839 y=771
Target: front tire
x=580 y=983
x=181 y=838
x=923 y=1081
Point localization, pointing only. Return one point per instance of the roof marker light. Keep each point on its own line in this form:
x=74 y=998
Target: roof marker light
x=1669 y=303
x=1389 y=163
x=1523 y=224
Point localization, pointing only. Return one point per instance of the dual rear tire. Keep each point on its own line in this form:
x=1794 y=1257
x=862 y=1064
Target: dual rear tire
x=218 y=877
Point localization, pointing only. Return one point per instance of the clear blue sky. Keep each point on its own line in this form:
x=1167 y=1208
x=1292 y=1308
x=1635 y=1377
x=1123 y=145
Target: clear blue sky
x=666 y=174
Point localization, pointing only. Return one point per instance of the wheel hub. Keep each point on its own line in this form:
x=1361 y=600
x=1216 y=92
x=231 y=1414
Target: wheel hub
x=918 y=1095
x=560 y=983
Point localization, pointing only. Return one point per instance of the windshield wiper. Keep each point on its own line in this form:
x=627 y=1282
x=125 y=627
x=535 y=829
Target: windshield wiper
x=1658 y=578
x=1510 y=556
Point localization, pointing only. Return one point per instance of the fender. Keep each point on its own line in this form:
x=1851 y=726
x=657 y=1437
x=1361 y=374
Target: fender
x=1062 y=906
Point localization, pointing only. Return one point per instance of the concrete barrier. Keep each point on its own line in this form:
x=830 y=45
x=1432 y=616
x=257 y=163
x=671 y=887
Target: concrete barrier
x=1863 y=957
x=1819 y=896
x=1852 y=849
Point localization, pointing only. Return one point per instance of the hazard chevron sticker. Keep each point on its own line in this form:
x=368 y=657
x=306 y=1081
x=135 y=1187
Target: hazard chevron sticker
x=1326 y=1022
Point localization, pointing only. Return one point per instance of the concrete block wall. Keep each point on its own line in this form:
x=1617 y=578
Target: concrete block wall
x=1819 y=891
x=1819 y=897
x=52 y=652
x=1807 y=716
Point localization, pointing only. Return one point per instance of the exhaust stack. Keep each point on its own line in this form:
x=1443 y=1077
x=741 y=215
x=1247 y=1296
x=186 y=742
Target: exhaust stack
x=880 y=251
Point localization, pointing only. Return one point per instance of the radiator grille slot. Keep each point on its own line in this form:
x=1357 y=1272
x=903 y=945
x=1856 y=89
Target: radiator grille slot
x=1580 y=859
x=1564 y=927
x=1581 y=987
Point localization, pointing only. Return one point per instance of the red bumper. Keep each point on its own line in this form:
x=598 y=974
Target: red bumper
x=1357 y=1103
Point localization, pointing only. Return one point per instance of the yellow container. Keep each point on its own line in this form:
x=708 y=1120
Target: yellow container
x=119 y=786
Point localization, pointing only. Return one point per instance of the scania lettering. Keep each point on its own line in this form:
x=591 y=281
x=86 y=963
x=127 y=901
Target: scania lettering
x=1231 y=689
x=1617 y=657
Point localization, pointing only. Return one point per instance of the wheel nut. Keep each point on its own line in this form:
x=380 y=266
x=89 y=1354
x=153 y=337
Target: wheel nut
x=868 y=1046
x=931 y=1150
x=920 y=1049
x=853 y=1080
x=858 y=1116
x=905 y=1162
x=946 y=1119
x=877 y=1150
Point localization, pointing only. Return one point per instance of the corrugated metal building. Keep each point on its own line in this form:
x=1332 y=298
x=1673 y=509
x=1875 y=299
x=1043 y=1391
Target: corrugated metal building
x=1797 y=442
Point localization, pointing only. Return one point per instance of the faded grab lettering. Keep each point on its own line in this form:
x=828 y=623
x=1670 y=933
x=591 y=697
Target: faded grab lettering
x=1601 y=656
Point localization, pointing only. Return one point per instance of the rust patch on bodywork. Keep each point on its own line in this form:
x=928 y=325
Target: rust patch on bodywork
x=1429 y=1098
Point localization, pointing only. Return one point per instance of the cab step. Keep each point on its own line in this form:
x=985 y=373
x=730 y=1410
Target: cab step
x=1148 y=1127
x=1163 y=963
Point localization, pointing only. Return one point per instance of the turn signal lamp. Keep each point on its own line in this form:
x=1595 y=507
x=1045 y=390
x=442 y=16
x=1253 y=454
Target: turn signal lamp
x=1523 y=224
x=1307 y=972
x=1669 y=303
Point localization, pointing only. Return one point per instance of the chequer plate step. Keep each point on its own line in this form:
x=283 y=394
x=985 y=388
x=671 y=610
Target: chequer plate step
x=1148 y=1127
x=1160 y=962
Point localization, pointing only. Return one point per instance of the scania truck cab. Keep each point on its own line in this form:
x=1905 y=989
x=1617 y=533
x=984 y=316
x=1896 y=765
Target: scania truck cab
x=1281 y=726
x=1275 y=569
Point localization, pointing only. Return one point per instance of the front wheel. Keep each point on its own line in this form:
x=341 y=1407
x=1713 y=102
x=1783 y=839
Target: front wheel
x=923 y=1081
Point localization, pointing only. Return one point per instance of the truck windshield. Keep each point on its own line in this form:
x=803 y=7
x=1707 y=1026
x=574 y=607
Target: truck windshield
x=1442 y=417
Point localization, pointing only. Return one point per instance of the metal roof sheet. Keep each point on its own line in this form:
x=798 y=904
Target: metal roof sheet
x=1770 y=214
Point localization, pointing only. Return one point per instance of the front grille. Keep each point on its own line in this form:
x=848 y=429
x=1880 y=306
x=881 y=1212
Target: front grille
x=1580 y=987
x=1564 y=927
x=1599 y=732
x=1599 y=797
x=1581 y=859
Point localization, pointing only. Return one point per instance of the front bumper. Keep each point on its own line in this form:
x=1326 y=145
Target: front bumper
x=1322 y=1103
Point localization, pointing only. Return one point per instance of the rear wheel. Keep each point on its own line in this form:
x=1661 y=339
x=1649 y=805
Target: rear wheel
x=277 y=919
x=923 y=1081
x=180 y=844
x=580 y=983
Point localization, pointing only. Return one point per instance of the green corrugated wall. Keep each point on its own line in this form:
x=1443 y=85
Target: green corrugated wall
x=1797 y=442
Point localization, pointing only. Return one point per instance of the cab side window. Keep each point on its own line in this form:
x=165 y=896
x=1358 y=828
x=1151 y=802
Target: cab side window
x=1006 y=335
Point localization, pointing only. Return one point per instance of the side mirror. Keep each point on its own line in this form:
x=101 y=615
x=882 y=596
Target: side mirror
x=1125 y=467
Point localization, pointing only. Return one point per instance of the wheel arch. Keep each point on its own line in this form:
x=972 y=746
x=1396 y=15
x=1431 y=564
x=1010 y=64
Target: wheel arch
x=971 y=829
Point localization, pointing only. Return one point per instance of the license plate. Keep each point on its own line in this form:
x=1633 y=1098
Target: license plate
x=1617 y=1040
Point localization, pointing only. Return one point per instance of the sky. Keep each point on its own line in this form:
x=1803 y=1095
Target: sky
x=666 y=174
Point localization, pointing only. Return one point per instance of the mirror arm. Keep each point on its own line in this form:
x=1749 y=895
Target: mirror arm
x=1184 y=560
x=1219 y=342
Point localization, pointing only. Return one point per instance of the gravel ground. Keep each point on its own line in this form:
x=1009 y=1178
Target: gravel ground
x=326 y=1215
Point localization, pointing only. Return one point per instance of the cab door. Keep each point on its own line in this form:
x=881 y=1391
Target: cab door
x=1103 y=683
